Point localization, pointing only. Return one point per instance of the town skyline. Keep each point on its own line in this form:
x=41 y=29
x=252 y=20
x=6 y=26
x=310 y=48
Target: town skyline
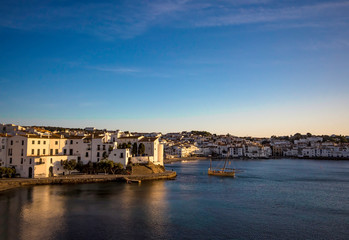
x=256 y=67
x=179 y=131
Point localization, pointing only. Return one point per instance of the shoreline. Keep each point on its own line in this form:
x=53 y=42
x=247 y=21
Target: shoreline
x=172 y=160
x=10 y=183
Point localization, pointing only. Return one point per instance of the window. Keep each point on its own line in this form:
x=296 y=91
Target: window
x=103 y=147
x=97 y=154
x=44 y=142
x=97 y=159
x=71 y=141
x=30 y=161
x=22 y=142
x=86 y=154
x=51 y=160
x=33 y=142
x=38 y=152
x=98 y=147
x=56 y=142
x=65 y=151
x=121 y=155
x=10 y=160
x=10 y=151
x=32 y=151
x=38 y=142
x=11 y=142
x=43 y=151
x=22 y=152
x=71 y=151
x=56 y=152
x=21 y=160
x=51 y=151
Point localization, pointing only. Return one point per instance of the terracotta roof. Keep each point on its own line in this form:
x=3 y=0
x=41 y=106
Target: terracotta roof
x=148 y=139
x=75 y=137
x=94 y=136
x=131 y=137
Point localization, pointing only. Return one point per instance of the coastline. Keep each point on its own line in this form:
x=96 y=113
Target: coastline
x=172 y=160
x=7 y=184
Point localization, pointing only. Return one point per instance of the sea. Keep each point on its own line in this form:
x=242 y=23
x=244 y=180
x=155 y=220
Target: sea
x=268 y=199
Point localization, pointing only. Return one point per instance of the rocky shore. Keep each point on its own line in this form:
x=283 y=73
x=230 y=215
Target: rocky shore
x=6 y=184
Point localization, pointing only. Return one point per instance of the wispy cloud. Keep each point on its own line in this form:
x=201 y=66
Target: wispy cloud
x=115 y=69
x=127 y=19
x=238 y=16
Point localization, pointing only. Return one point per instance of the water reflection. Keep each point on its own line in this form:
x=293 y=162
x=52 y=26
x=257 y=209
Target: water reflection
x=42 y=215
x=80 y=211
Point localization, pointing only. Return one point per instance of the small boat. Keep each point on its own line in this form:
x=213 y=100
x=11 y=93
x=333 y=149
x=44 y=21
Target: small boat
x=222 y=172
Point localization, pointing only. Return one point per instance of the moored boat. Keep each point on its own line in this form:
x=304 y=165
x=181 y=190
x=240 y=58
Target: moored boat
x=222 y=172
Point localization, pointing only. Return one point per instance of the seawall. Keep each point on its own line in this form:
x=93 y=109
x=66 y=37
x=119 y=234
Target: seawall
x=6 y=184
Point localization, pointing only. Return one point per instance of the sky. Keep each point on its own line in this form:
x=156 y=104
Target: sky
x=244 y=67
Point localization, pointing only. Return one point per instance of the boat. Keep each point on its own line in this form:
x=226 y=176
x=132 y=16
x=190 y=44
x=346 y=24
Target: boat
x=222 y=172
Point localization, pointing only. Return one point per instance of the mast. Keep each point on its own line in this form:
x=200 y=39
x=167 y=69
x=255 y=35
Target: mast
x=225 y=163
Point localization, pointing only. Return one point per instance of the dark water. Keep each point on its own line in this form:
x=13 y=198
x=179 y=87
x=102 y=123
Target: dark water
x=271 y=199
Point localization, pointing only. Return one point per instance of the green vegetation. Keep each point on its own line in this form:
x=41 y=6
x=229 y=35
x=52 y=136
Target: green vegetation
x=202 y=133
x=141 y=149
x=69 y=165
x=8 y=172
x=134 y=149
x=108 y=166
x=105 y=165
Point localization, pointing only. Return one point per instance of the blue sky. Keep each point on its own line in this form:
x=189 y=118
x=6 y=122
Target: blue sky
x=249 y=67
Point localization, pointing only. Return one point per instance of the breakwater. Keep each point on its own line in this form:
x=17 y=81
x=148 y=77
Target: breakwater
x=6 y=184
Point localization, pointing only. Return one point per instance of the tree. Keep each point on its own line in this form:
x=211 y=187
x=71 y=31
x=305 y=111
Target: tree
x=79 y=166
x=7 y=172
x=129 y=145
x=309 y=135
x=134 y=149
x=69 y=165
x=118 y=167
x=297 y=136
x=141 y=149
x=124 y=146
x=105 y=165
x=90 y=167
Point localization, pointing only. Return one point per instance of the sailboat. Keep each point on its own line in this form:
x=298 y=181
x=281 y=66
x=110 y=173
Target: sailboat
x=223 y=172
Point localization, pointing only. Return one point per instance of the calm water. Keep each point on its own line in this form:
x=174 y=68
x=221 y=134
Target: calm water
x=271 y=199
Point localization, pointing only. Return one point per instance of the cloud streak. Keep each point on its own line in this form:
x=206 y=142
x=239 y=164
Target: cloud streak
x=116 y=69
x=127 y=19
